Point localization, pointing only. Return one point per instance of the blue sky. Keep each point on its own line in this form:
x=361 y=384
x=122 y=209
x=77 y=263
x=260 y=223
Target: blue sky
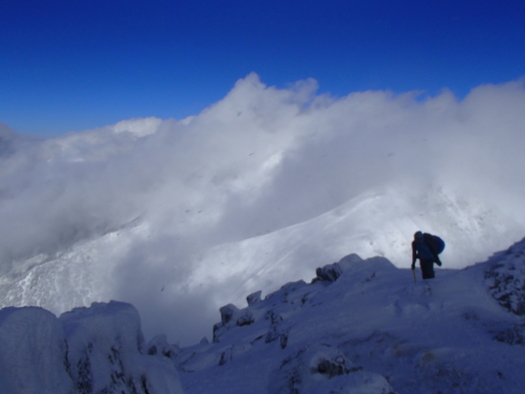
x=72 y=65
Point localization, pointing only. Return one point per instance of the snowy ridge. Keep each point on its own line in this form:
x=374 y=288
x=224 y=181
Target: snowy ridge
x=360 y=326
x=255 y=191
x=363 y=326
x=73 y=277
x=379 y=223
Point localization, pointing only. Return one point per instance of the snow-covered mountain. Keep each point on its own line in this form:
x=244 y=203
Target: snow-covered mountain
x=360 y=326
x=97 y=269
x=256 y=190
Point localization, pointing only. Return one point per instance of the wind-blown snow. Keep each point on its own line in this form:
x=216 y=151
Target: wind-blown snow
x=258 y=189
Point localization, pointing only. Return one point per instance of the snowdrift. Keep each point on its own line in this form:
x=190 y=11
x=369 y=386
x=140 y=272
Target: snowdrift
x=360 y=326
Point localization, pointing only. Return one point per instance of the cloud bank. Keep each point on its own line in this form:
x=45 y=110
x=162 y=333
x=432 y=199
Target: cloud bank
x=213 y=194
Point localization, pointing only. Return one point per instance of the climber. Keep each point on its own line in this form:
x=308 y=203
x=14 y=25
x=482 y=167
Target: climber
x=425 y=249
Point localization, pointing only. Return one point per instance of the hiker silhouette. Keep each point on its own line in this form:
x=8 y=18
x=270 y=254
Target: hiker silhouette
x=423 y=250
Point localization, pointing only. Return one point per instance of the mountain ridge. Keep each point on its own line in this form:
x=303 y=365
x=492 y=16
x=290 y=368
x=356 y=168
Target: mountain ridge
x=88 y=271
x=359 y=326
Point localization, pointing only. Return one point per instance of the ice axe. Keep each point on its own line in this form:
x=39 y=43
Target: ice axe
x=414 y=272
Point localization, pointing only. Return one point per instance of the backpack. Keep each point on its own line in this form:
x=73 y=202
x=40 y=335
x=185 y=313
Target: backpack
x=434 y=243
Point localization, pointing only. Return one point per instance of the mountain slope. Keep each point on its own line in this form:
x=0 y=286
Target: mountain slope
x=360 y=326
x=257 y=190
x=140 y=264
x=365 y=326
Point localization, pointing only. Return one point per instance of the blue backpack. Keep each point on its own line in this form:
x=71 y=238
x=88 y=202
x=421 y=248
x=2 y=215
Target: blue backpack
x=434 y=243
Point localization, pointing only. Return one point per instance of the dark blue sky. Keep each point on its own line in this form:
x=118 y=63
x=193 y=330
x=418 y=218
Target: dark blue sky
x=72 y=65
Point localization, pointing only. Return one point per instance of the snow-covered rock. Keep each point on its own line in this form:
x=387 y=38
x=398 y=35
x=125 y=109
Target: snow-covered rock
x=159 y=345
x=254 y=297
x=106 y=351
x=88 y=350
x=506 y=278
x=32 y=352
x=324 y=369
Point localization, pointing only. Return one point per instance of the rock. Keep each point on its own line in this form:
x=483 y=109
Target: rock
x=254 y=297
x=160 y=345
x=228 y=313
x=95 y=349
x=323 y=368
x=33 y=352
x=328 y=273
x=506 y=279
x=245 y=319
x=514 y=335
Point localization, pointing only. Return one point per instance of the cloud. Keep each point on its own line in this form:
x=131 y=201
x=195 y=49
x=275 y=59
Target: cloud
x=260 y=186
x=138 y=127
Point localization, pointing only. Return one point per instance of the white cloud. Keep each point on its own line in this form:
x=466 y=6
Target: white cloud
x=138 y=127
x=255 y=190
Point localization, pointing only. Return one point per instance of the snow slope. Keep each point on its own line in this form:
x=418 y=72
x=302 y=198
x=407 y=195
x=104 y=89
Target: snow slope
x=257 y=190
x=379 y=223
x=364 y=326
x=360 y=326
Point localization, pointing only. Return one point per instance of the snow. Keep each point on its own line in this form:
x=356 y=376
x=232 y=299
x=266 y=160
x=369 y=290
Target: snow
x=258 y=190
x=378 y=222
x=359 y=326
x=101 y=268
x=379 y=330
x=95 y=349
x=32 y=352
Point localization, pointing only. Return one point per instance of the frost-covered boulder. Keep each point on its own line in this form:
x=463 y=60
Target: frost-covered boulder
x=32 y=352
x=325 y=369
x=291 y=294
x=106 y=348
x=328 y=273
x=514 y=335
x=88 y=350
x=505 y=278
x=361 y=270
x=159 y=345
x=231 y=316
x=254 y=297
x=354 y=265
x=103 y=340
